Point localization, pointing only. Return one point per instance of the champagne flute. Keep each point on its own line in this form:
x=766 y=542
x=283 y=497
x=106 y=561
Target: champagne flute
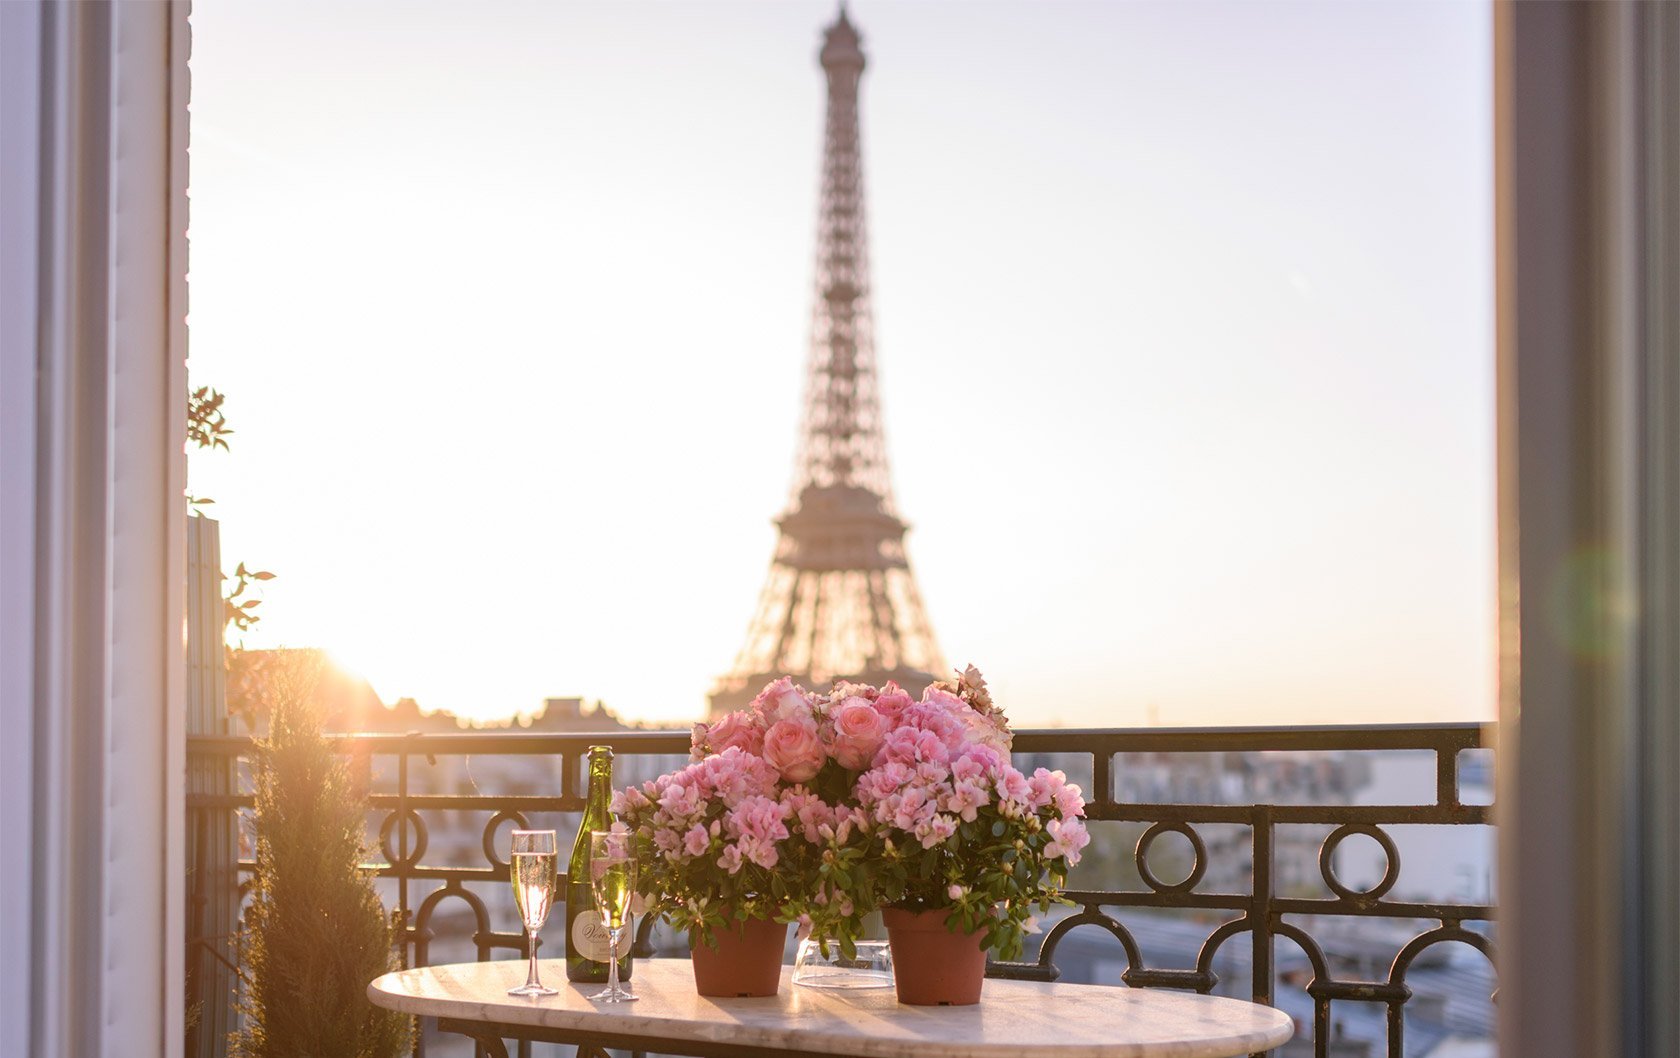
x=612 y=876
x=532 y=867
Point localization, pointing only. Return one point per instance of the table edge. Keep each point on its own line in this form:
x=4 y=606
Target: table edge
x=580 y=1021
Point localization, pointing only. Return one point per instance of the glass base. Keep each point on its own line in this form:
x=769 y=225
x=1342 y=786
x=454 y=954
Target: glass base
x=532 y=990
x=871 y=969
x=614 y=995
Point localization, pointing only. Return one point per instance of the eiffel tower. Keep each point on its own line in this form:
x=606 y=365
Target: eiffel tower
x=840 y=601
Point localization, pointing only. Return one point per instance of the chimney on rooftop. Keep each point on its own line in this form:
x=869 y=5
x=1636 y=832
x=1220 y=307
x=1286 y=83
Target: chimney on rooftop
x=562 y=708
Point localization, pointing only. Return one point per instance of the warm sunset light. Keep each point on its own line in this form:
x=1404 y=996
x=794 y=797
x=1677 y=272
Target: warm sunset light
x=885 y=528
x=1182 y=323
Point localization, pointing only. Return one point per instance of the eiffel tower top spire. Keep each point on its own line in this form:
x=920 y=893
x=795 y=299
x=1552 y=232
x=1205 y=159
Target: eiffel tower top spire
x=841 y=439
x=840 y=601
x=841 y=44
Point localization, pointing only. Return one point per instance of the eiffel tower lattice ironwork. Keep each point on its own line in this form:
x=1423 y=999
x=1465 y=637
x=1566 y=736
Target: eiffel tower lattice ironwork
x=840 y=601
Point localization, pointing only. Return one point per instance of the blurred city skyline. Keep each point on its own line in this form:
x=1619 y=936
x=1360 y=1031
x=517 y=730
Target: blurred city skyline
x=1184 y=322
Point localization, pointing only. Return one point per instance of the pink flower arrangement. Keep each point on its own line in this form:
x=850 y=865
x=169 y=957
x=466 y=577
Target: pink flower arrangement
x=800 y=733
x=758 y=825
x=818 y=808
x=711 y=834
x=958 y=827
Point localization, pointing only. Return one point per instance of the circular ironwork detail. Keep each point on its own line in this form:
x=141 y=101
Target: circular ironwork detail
x=416 y=850
x=1197 y=868
x=504 y=816
x=1391 y=870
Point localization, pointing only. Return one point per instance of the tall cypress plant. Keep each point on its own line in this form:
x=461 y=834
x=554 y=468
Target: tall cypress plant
x=315 y=932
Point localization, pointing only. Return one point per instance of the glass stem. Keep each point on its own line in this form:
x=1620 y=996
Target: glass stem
x=531 y=943
x=612 y=959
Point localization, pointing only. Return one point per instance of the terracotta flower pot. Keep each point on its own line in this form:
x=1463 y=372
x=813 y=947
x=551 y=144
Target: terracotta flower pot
x=746 y=962
x=932 y=966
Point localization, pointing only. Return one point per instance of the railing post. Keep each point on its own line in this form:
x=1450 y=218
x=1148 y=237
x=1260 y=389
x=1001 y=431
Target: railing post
x=1260 y=911
x=402 y=842
x=1446 y=774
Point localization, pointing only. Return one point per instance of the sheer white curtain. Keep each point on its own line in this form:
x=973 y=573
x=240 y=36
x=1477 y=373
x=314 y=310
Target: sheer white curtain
x=91 y=527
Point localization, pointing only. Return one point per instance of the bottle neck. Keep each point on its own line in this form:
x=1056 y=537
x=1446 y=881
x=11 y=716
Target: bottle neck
x=599 y=805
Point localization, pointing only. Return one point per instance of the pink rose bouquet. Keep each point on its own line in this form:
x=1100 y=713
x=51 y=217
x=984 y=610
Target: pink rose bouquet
x=758 y=824
x=819 y=808
x=958 y=828
x=710 y=838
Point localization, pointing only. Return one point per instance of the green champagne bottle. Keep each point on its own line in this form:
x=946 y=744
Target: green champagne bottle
x=587 y=945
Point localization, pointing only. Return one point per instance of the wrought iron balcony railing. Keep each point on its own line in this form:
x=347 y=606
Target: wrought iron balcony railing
x=1245 y=803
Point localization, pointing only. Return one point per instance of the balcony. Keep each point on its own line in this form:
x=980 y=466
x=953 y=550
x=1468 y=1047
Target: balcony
x=1224 y=861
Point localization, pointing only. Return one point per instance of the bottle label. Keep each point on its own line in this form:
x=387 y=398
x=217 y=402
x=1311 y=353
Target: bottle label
x=589 y=938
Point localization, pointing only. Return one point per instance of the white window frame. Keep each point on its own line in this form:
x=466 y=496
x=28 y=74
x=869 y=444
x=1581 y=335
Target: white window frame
x=92 y=531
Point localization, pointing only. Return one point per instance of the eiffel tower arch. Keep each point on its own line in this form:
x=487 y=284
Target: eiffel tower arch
x=840 y=601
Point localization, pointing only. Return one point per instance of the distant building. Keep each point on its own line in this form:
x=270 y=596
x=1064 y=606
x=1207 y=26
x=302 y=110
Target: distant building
x=1225 y=778
x=1454 y=864
x=350 y=705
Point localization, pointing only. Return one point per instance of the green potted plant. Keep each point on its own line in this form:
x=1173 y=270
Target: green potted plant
x=315 y=932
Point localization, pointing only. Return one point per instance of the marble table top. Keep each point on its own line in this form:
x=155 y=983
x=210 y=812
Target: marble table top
x=1012 y=1018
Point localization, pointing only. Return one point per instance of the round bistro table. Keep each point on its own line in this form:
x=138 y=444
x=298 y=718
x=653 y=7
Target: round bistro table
x=1014 y=1018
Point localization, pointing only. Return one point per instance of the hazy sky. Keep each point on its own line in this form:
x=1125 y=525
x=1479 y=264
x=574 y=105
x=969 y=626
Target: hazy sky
x=1184 y=317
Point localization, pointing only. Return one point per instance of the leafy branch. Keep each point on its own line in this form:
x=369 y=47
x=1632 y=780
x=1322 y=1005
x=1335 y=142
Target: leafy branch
x=206 y=424
x=207 y=428
x=239 y=613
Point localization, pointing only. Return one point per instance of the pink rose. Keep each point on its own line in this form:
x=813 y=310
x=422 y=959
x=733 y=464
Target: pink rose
x=983 y=730
x=854 y=690
x=736 y=731
x=781 y=700
x=766 y=699
x=944 y=699
x=794 y=749
x=892 y=701
x=858 y=732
